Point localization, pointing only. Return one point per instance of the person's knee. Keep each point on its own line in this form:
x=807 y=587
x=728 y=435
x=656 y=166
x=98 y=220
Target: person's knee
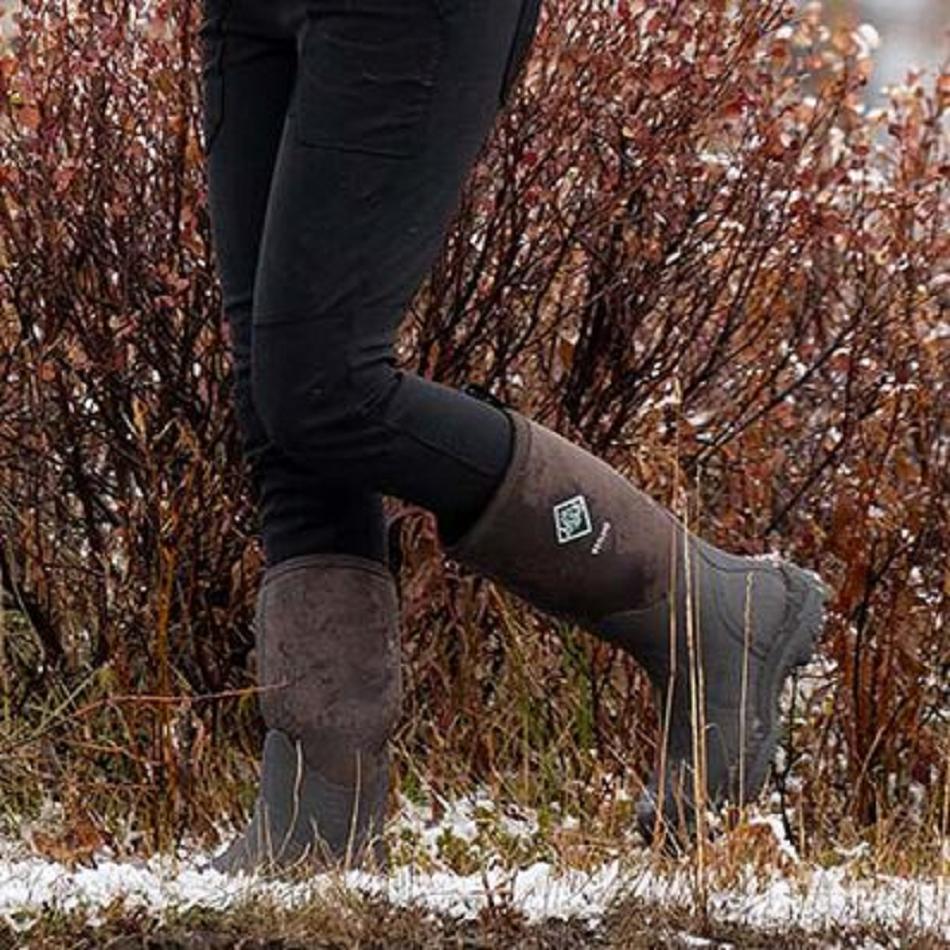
x=313 y=405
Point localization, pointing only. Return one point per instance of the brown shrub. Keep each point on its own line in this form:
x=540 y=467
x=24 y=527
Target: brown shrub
x=687 y=245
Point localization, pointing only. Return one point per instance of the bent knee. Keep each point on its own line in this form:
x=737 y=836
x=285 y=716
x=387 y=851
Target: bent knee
x=312 y=404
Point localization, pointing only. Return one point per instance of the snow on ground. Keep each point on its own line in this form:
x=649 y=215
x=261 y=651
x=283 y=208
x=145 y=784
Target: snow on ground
x=813 y=899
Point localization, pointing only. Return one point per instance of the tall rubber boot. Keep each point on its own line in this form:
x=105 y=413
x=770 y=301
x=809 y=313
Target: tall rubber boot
x=328 y=666
x=575 y=538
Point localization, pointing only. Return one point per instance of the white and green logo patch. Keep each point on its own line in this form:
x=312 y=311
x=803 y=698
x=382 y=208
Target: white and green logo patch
x=572 y=520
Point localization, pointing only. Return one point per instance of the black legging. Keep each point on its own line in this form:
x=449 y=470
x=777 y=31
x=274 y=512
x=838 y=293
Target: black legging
x=339 y=134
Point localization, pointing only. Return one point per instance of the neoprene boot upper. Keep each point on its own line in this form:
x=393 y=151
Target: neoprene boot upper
x=573 y=537
x=328 y=669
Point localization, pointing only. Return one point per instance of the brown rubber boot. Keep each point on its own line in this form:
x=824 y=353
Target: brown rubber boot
x=328 y=666
x=575 y=538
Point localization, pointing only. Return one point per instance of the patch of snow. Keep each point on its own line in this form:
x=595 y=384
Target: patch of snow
x=688 y=940
x=813 y=899
x=538 y=891
x=868 y=38
x=774 y=824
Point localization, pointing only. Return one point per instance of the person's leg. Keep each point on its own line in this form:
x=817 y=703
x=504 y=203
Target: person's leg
x=394 y=100
x=249 y=71
x=327 y=619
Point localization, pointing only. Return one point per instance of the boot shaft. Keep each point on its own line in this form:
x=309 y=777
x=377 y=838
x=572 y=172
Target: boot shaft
x=328 y=659
x=568 y=534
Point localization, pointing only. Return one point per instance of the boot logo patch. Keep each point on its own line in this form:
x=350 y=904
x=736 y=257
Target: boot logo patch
x=572 y=520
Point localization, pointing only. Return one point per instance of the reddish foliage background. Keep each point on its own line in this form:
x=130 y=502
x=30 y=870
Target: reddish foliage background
x=688 y=246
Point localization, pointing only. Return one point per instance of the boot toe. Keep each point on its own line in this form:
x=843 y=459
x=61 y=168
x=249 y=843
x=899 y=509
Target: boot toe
x=791 y=644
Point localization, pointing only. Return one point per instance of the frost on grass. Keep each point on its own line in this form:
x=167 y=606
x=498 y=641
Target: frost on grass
x=498 y=842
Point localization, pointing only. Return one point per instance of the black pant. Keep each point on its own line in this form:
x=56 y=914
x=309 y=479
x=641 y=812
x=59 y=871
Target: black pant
x=338 y=136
